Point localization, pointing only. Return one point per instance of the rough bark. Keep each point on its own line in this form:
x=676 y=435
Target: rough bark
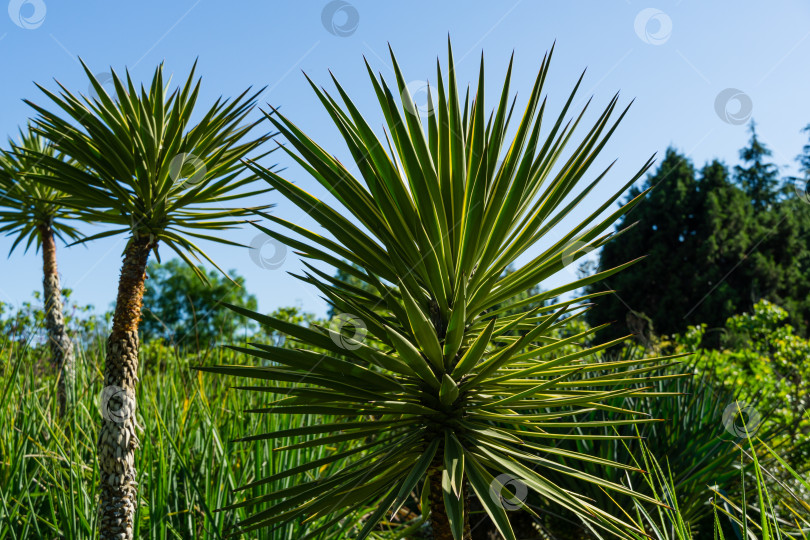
x=117 y=438
x=58 y=339
x=439 y=522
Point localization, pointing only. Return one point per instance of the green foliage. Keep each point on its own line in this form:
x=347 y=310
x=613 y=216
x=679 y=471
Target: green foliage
x=675 y=223
x=753 y=515
x=804 y=158
x=189 y=455
x=187 y=466
x=25 y=204
x=187 y=312
x=523 y=301
x=452 y=386
x=762 y=355
x=441 y=359
x=691 y=436
x=25 y=325
x=292 y=315
x=142 y=166
x=711 y=251
x=345 y=276
x=760 y=364
x=779 y=266
x=759 y=178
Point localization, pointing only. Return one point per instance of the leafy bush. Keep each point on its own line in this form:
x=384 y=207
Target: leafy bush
x=762 y=356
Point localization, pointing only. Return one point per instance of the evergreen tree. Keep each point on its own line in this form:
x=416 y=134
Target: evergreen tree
x=662 y=228
x=777 y=262
x=694 y=229
x=758 y=178
x=780 y=263
x=788 y=229
x=804 y=157
x=714 y=246
x=725 y=227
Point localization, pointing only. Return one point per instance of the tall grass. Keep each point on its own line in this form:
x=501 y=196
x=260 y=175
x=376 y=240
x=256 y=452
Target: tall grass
x=769 y=510
x=187 y=462
x=691 y=437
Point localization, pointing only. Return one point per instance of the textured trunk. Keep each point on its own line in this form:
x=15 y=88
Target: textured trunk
x=439 y=522
x=60 y=344
x=117 y=439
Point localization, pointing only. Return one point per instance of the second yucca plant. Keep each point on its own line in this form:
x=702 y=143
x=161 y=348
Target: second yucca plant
x=141 y=164
x=443 y=393
x=34 y=214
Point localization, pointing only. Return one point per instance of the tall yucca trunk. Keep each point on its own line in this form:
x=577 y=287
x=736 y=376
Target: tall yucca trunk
x=439 y=521
x=117 y=439
x=58 y=339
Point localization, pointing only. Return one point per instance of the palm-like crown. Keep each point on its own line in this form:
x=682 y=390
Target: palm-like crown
x=140 y=163
x=25 y=204
x=453 y=387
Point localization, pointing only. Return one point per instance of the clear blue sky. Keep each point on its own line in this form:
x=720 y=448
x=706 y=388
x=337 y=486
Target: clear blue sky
x=673 y=57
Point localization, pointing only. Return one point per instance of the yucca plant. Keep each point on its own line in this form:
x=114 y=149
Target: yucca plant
x=34 y=214
x=756 y=514
x=699 y=450
x=144 y=168
x=747 y=514
x=430 y=380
